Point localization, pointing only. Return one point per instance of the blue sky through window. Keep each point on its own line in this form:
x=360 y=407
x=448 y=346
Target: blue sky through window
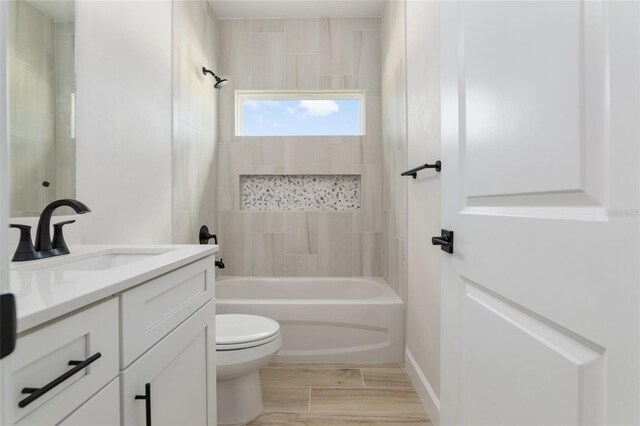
x=313 y=117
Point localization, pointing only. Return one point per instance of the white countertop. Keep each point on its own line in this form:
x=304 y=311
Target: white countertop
x=44 y=294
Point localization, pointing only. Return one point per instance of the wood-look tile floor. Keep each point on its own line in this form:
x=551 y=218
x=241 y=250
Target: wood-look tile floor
x=339 y=394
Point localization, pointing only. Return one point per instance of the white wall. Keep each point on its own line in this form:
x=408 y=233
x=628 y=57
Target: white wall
x=124 y=120
x=424 y=200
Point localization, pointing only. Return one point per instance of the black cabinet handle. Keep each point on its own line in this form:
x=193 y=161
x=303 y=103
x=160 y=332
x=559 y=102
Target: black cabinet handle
x=147 y=402
x=38 y=392
x=445 y=241
x=414 y=172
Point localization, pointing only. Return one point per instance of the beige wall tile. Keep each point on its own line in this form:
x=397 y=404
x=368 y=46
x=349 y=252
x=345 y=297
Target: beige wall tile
x=234 y=160
x=267 y=60
x=267 y=151
x=301 y=265
x=399 y=228
x=301 y=155
x=268 y=221
x=236 y=242
x=372 y=140
x=335 y=243
x=336 y=45
x=267 y=170
x=386 y=243
x=336 y=82
x=367 y=254
x=235 y=47
x=301 y=35
x=366 y=23
x=268 y=255
x=27 y=35
x=301 y=230
x=366 y=61
x=369 y=218
x=335 y=158
x=275 y=25
x=301 y=71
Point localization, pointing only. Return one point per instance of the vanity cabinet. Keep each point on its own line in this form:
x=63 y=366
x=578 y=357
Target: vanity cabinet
x=102 y=409
x=43 y=357
x=154 y=339
x=172 y=377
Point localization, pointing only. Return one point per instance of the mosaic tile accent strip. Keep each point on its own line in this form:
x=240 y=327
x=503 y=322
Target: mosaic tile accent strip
x=300 y=192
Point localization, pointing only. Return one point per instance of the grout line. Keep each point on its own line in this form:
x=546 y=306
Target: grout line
x=362 y=377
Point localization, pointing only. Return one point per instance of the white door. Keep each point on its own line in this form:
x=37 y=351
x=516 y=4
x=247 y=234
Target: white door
x=540 y=128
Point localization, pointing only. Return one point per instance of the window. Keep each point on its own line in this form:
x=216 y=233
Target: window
x=299 y=113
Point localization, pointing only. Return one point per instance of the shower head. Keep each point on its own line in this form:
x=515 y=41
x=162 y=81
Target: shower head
x=219 y=81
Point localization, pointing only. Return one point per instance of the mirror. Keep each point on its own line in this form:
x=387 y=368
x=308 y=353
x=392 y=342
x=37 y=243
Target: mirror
x=41 y=62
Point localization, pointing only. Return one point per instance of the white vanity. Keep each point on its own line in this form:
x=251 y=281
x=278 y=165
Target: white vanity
x=115 y=335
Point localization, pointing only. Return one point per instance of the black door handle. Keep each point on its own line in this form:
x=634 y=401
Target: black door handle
x=147 y=402
x=445 y=241
x=38 y=392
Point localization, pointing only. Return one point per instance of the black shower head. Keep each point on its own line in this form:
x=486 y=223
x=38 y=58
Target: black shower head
x=219 y=81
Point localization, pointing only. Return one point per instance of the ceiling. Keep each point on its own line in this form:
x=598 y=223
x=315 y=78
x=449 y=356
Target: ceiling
x=296 y=8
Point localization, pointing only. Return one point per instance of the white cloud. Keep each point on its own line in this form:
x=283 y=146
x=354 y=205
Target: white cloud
x=319 y=108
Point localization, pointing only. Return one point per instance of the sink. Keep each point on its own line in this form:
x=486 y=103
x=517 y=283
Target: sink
x=100 y=260
x=101 y=263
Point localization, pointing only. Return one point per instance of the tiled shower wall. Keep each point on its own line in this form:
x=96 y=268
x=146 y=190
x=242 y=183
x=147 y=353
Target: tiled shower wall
x=41 y=66
x=195 y=120
x=394 y=141
x=325 y=53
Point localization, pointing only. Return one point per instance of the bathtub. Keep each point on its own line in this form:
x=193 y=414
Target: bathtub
x=336 y=320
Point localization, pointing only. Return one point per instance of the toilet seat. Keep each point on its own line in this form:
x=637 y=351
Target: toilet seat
x=239 y=331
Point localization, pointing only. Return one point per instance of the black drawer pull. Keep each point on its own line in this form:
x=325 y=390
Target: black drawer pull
x=147 y=402
x=38 y=392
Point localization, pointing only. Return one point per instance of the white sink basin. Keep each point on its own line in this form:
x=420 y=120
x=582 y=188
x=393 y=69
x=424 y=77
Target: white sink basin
x=101 y=263
x=101 y=260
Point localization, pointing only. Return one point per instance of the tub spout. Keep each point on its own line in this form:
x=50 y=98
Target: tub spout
x=220 y=264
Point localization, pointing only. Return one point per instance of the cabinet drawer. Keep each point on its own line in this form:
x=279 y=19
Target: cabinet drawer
x=151 y=310
x=43 y=356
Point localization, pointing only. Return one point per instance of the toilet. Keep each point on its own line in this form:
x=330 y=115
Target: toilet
x=244 y=344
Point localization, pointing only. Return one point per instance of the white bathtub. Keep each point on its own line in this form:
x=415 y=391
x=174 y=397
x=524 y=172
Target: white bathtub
x=351 y=320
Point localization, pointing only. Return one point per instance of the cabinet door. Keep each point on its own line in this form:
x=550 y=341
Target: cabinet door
x=103 y=409
x=181 y=373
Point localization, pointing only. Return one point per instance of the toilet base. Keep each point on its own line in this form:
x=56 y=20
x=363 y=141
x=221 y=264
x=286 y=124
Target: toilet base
x=241 y=399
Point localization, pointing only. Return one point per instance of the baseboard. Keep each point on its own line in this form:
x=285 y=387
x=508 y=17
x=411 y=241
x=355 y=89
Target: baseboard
x=428 y=397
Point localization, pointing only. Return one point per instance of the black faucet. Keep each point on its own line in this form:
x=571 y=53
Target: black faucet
x=44 y=247
x=219 y=264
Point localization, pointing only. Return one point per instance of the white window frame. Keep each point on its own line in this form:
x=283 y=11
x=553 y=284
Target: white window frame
x=292 y=95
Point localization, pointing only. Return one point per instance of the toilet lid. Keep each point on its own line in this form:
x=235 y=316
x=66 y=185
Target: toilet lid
x=232 y=329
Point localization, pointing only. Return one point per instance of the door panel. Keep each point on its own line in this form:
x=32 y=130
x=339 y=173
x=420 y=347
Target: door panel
x=541 y=312
x=533 y=106
x=520 y=356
